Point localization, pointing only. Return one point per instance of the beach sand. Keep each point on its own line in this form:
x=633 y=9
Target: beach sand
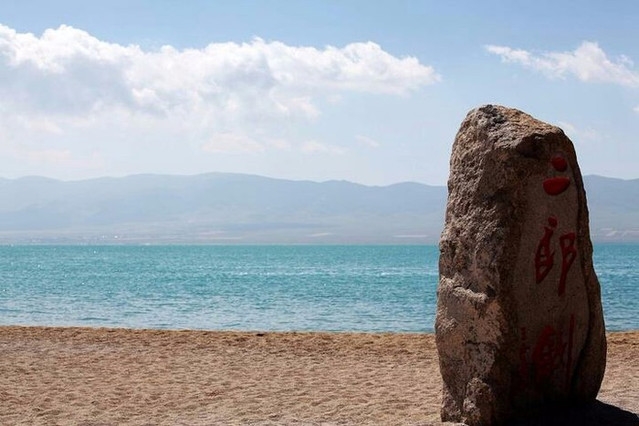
x=83 y=376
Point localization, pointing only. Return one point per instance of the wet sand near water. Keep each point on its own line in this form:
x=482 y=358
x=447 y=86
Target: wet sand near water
x=84 y=376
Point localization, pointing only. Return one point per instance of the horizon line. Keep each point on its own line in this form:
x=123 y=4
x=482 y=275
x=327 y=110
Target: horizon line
x=180 y=175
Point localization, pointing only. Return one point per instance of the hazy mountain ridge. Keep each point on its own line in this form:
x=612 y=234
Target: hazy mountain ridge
x=218 y=207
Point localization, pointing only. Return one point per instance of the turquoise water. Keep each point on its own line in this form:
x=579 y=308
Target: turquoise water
x=332 y=288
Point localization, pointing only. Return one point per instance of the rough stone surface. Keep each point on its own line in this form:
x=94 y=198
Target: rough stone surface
x=519 y=320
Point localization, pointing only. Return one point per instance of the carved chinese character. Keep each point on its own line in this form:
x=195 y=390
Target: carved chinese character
x=548 y=353
x=544 y=256
x=568 y=255
x=558 y=184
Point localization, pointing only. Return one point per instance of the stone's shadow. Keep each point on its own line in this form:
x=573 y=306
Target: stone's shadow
x=595 y=414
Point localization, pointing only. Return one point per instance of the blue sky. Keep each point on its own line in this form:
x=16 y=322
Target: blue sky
x=371 y=92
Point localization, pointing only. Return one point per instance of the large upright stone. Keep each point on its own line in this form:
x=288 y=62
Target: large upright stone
x=519 y=319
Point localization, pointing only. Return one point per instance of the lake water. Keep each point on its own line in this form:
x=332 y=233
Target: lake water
x=304 y=288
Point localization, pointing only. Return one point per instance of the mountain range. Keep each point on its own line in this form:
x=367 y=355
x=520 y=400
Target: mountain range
x=221 y=208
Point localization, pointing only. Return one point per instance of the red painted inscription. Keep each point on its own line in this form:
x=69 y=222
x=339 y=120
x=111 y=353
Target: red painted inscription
x=568 y=255
x=559 y=163
x=544 y=256
x=547 y=354
x=550 y=355
x=556 y=185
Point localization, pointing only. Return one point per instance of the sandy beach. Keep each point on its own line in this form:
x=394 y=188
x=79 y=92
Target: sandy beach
x=82 y=376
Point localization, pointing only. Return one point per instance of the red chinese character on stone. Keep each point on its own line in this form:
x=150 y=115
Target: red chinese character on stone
x=551 y=356
x=558 y=184
x=544 y=256
x=568 y=255
x=548 y=354
x=559 y=163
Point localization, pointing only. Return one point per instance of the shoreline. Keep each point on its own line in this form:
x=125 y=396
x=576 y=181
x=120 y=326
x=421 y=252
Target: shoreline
x=83 y=375
x=240 y=331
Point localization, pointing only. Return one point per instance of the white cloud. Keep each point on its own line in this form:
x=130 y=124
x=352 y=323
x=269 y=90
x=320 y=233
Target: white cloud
x=579 y=133
x=75 y=70
x=279 y=144
x=636 y=109
x=48 y=156
x=567 y=127
x=368 y=142
x=589 y=63
x=58 y=157
x=68 y=85
x=232 y=143
x=320 y=148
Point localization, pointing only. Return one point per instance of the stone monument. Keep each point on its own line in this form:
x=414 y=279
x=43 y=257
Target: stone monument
x=519 y=321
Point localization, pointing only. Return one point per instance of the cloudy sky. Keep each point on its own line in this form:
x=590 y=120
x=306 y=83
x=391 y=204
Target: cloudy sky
x=371 y=92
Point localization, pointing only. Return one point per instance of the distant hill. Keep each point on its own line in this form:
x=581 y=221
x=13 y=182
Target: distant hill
x=613 y=205
x=235 y=208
